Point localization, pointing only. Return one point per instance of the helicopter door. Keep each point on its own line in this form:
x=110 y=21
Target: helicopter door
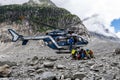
x=80 y=40
x=50 y=43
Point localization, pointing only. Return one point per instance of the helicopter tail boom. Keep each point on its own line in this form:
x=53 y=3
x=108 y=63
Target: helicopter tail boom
x=25 y=39
x=15 y=36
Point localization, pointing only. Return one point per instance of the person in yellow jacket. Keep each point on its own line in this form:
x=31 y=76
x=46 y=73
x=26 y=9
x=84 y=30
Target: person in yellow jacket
x=89 y=54
x=73 y=53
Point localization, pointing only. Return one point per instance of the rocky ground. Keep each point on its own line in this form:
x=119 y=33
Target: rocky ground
x=38 y=62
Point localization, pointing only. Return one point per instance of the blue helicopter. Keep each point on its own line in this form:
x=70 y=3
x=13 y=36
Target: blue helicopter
x=57 y=39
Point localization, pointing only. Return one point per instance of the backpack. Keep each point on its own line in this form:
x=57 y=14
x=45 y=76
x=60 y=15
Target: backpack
x=91 y=52
x=78 y=56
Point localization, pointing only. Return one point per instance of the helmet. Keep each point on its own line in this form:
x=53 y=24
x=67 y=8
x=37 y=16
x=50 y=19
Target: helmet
x=87 y=49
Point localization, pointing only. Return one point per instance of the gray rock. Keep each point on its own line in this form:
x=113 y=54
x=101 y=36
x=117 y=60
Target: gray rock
x=35 y=58
x=68 y=79
x=82 y=69
x=68 y=74
x=8 y=63
x=48 y=64
x=62 y=77
x=102 y=78
x=32 y=74
x=52 y=58
x=90 y=63
x=109 y=76
x=117 y=76
x=117 y=51
x=33 y=61
x=96 y=67
x=4 y=79
x=5 y=70
x=39 y=71
x=31 y=70
x=79 y=75
x=60 y=66
x=114 y=64
x=100 y=65
x=48 y=76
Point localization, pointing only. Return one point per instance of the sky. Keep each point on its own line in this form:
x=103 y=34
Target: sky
x=107 y=10
x=116 y=23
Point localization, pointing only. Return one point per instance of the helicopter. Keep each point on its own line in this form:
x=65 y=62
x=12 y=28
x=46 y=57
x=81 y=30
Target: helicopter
x=57 y=39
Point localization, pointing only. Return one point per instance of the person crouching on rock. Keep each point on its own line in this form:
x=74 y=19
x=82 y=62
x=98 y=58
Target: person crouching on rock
x=82 y=54
x=73 y=53
x=89 y=54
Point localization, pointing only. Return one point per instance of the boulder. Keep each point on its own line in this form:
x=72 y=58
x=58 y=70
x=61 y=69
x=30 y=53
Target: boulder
x=62 y=77
x=117 y=77
x=8 y=63
x=41 y=43
x=35 y=58
x=52 y=58
x=60 y=66
x=114 y=64
x=33 y=61
x=68 y=79
x=109 y=76
x=48 y=76
x=79 y=75
x=68 y=75
x=31 y=70
x=39 y=71
x=4 y=79
x=5 y=70
x=48 y=64
x=90 y=63
x=96 y=67
x=117 y=51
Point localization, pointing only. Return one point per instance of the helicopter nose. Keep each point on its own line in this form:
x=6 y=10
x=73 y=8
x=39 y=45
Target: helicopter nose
x=86 y=42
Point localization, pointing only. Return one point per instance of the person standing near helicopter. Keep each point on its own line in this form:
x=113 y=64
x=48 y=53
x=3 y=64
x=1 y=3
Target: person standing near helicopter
x=71 y=42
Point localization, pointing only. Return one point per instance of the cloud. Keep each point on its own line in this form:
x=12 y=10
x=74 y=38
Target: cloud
x=106 y=9
x=7 y=2
x=118 y=34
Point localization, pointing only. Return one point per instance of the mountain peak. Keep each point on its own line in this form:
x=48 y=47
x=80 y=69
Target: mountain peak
x=40 y=3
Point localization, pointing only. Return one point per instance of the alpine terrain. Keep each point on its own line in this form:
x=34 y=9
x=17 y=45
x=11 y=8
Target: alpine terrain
x=36 y=61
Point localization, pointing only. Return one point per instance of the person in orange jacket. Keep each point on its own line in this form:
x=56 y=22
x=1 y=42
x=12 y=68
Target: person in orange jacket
x=89 y=53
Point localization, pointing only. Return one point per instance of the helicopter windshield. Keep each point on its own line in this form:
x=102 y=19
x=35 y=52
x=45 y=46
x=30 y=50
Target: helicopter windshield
x=81 y=39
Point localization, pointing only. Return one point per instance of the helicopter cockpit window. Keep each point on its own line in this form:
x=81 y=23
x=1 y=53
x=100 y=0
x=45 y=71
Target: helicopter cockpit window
x=80 y=39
